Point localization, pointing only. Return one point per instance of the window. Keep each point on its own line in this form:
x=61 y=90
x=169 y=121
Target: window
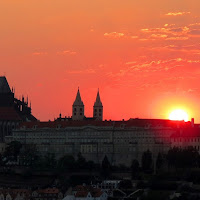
x=81 y=113
x=100 y=110
x=81 y=109
x=74 y=113
x=74 y=109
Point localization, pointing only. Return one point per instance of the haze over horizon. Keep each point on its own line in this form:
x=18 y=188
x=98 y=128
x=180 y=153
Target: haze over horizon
x=144 y=56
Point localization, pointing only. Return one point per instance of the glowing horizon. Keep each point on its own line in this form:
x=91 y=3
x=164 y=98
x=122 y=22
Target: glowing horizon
x=142 y=55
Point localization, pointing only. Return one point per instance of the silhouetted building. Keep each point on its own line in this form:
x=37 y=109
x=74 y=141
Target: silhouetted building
x=12 y=110
x=98 y=108
x=78 y=108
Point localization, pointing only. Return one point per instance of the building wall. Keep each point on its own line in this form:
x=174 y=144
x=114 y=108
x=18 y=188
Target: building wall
x=121 y=145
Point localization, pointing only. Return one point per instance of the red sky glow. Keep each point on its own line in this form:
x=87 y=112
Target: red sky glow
x=144 y=56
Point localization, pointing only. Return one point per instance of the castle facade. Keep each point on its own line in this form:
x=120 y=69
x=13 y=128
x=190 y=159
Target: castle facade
x=121 y=141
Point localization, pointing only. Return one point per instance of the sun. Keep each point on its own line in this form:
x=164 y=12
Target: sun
x=179 y=115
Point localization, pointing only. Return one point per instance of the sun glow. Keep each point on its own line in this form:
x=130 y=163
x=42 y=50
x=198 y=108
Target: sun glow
x=179 y=115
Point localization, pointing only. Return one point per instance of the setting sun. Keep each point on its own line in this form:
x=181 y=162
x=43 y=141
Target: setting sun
x=178 y=115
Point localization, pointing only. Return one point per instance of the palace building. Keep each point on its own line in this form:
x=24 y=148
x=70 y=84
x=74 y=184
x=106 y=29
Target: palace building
x=121 y=141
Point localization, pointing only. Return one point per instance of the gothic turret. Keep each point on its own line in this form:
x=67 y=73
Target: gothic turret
x=98 y=108
x=78 y=108
x=6 y=95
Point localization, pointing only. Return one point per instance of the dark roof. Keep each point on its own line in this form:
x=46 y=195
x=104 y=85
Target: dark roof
x=9 y=113
x=130 y=123
x=4 y=87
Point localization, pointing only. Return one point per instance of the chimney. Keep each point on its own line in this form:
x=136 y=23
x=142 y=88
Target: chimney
x=192 y=122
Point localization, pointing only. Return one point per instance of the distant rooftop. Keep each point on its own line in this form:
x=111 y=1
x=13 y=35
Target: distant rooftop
x=4 y=87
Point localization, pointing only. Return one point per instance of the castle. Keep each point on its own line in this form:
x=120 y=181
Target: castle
x=12 y=110
x=121 y=141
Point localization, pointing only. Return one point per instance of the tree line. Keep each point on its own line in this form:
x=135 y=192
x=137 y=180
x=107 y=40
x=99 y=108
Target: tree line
x=18 y=154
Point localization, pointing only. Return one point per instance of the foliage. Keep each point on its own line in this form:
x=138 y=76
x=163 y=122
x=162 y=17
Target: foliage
x=28 y=155
x=183 y=158
x=66 y=162
x=147 y=161
x=81 y=162
x=105 y=167
x=12 y=151
x=134 y=168
x=159 y=161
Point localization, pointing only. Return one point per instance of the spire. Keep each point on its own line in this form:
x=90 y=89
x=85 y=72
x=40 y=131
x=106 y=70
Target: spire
x=98 y=100
x=4 y=87
x=78 y=101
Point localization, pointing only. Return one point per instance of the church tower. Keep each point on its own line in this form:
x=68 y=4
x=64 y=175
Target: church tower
x=78 y=108
x=98 y=108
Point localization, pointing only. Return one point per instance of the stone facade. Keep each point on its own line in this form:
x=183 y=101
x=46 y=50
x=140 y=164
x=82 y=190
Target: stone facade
x=121 y=141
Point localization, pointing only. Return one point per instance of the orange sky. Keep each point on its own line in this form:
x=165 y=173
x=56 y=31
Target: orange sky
x=143 y=55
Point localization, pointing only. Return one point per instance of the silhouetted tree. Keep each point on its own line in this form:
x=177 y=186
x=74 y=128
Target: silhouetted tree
x=67 y=162
x=81 y=162
x=12 y=151
x=28 y=155
x=184 y=158
x=159 y=161
x=105 y=167
x=147 y=161
x=172 y=156
x=90 y=165
x=134 y=168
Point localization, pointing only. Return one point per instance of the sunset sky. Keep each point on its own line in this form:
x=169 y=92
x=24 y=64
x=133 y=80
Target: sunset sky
x=143 y=55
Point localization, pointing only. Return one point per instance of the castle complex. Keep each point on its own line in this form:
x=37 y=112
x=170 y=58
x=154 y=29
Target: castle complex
x=12 y=110
x=121 y=141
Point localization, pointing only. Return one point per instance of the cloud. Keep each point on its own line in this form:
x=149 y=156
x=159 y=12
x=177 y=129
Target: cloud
x=66 y=52
x=39 y=53
x=114 y=35
x=177 y=13
x=177 y=38
x=159 y=36
x=134 y=37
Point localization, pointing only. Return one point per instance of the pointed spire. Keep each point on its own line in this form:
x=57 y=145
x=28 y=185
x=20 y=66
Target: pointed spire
x=4 y=86
x=78 y=101
x=98 y=100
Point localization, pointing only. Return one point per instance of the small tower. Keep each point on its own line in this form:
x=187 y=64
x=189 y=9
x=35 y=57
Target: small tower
x=98 y=108
x=78 y=108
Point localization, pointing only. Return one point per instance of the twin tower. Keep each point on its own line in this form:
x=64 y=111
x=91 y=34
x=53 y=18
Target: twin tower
x=78 y=108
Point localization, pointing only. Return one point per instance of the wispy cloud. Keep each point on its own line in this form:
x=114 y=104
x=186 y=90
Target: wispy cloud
x=39 y=53
x=114 y=35
x=177 y=38
x=66 y=52
x=177 y=13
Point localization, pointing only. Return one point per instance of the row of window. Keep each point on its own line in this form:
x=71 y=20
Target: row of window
x=186 y=139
